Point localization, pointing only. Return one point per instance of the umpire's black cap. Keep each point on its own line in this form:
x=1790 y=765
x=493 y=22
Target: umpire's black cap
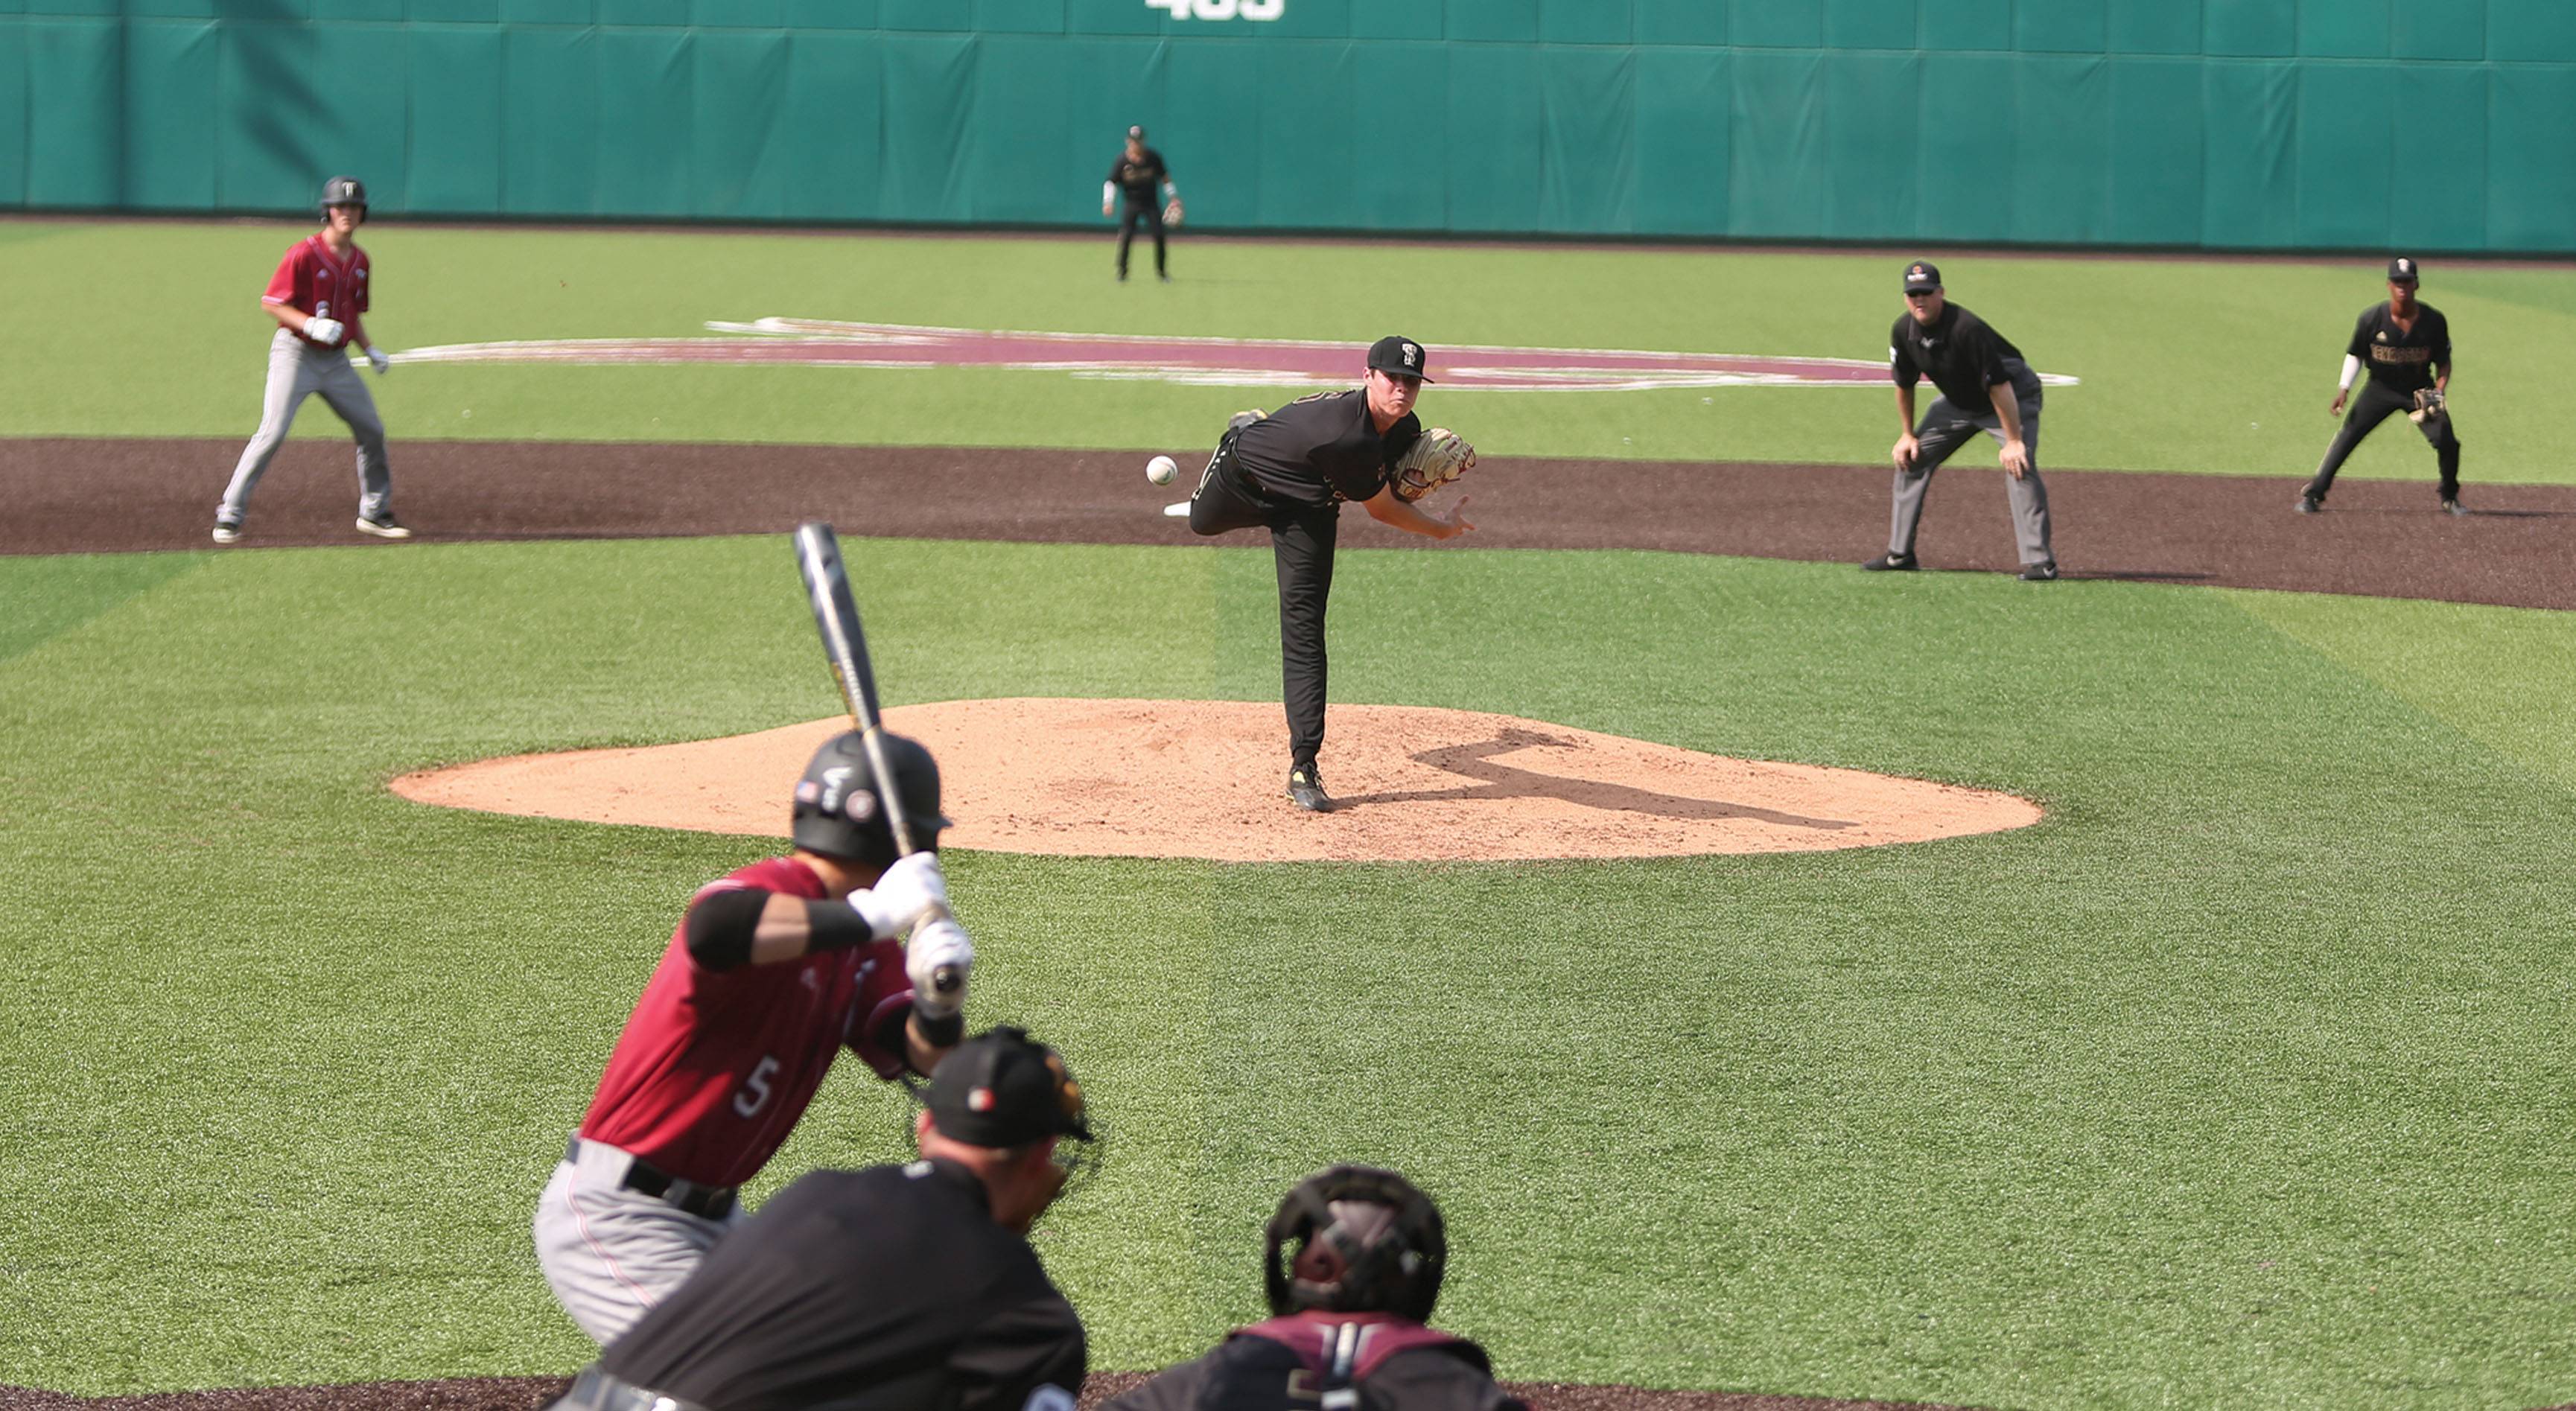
x=1922 y=277
x=2403 y=270
x=1002 y=1089
x=1400 y=355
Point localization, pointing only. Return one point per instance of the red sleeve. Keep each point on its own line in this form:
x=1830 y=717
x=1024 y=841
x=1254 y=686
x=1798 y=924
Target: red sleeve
x=883 y=1007
x=287 y=286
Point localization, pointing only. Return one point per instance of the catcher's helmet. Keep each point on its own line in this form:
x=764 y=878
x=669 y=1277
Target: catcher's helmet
x=836 y=811
x=1356 y=1239
x=343 y=191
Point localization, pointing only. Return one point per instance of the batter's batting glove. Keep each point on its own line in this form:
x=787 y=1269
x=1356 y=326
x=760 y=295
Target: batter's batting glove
x=323 y=330
x=910 y=887
x=938 y=952
x=377 y=359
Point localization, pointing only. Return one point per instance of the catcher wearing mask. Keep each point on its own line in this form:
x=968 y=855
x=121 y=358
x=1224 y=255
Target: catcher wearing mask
x=1289 y=472
x=1353 y=1266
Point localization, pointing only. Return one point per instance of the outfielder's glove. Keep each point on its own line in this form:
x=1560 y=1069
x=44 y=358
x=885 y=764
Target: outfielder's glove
x=2428 y=403
x=1172 y=212
x=1437 y=457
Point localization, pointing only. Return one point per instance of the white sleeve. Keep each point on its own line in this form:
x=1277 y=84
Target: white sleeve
x=2351 y=370
x=1108 y=191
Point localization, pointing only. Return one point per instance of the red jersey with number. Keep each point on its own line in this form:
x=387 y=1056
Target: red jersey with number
x=716 y=1066
x=320 y=283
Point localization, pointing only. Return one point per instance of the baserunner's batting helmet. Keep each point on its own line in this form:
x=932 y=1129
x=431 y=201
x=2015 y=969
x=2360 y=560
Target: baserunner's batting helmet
x=836 y=811
x=1356 y=1239
x=343 y=191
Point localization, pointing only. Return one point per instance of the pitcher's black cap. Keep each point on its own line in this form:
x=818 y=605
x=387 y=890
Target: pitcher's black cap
x=1400 y=355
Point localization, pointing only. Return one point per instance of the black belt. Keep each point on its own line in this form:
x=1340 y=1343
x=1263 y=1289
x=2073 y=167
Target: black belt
x=595 y=1390
x=705 y=1202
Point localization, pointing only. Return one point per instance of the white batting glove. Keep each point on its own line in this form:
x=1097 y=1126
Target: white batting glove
x=938 y=958
x=323 y=330
x=377 y=359
x=910 y=887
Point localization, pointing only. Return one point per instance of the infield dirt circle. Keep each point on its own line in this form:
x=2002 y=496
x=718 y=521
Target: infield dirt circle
x=1204 y=779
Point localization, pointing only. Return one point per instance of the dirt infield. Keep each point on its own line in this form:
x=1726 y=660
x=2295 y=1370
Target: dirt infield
x=1201 y=779
x=2380 y=538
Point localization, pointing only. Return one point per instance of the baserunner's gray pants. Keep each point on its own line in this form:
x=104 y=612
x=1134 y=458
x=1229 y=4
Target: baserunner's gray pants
x=1944 y=429
x=297 y=370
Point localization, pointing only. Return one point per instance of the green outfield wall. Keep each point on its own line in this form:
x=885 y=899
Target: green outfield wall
x=2433 y=125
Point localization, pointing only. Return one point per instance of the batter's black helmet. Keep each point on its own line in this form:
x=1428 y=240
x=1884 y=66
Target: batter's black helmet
x=1356 y=1239
x=343 y=191
x=836 y=811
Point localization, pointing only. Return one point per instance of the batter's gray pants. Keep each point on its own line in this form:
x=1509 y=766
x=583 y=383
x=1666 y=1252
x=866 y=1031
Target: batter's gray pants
x=611 y=1253
x=1944 y=429
x=297 y=370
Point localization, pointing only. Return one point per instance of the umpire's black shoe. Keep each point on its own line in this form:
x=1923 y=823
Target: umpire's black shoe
x=1306 y=790
x=2310 y=504
x=1890 y=561
x=2044 y=571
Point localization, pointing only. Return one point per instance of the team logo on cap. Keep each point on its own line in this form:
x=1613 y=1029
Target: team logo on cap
x=2405 y=266
x=979 y=1099
x=1412 y=355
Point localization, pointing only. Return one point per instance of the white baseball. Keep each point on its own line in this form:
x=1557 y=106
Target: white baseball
x=1161 y=469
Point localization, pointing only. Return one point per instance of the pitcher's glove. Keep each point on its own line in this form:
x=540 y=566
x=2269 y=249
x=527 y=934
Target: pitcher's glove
x=1437 y=457
x=2428 y=403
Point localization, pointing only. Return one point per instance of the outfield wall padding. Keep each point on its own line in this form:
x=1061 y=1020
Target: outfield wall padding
x=2432 y=125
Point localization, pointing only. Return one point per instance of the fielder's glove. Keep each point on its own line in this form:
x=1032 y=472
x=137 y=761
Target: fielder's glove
x=1172 y=212
x=937 y=959
x=2428 y=403
x=1438 y=456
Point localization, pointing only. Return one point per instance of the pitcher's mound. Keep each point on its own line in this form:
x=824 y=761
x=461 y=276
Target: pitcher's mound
x=1207 y=779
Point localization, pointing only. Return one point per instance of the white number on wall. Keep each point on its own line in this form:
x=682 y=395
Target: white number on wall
x=1219 y=9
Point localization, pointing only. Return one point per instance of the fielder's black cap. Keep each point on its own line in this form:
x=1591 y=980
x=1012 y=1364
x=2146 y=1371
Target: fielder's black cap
x=1400 y=355
x=1003 y=1089
x=2403 y=270
x=1922 y=277
x=1137 y=132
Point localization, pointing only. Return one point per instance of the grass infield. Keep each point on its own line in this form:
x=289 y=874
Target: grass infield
x=2240 y=1080
x=2186 y=365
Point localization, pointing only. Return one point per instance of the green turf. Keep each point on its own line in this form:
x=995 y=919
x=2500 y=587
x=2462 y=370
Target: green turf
x=2188 y=366
x=2240 y=1080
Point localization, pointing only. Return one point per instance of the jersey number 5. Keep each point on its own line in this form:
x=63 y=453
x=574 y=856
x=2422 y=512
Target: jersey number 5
x=755 y=1089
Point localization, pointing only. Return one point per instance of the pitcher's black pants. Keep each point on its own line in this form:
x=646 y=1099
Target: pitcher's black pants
x=1144 y=213
x=1301 y=541
x=2375 y=405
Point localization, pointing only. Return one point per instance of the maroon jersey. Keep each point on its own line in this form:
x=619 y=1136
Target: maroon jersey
x=311 y=278
x=715 y=1067
x=1316 y=1336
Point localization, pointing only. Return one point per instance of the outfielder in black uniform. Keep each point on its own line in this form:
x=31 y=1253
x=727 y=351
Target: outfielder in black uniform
x=1985 y=386
x=1289 y=472
x=1137 y=172
x=896 y=1288
x=1354 y=1263
x=2407 y=345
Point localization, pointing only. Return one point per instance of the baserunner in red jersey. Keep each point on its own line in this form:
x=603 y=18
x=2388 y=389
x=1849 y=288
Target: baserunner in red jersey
x=317 y=296
x=773 y=970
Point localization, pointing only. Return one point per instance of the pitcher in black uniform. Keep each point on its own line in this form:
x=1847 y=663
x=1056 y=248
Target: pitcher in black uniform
x=1137 y=172
x=896 y=1288
x=1985 y=386
x=1354 y=1265
x=1289 y=472
x=2407 y=346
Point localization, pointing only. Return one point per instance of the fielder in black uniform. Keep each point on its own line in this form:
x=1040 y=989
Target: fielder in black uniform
x=1137 y=172
x=1289 y=472
x=896 y=1288
x=1354 y=1264
x=1985 y=386
x=2407 y=344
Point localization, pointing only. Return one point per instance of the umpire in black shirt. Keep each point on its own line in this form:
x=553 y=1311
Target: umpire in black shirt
x=896 y=1288
x=1289 y=472
x=1985 y=386
x=2406 y=344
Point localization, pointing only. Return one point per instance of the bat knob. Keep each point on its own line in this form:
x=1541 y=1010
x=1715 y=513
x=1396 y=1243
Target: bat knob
x=947 y=980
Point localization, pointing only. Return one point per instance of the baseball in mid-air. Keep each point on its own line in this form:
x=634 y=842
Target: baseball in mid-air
x=1161 y=469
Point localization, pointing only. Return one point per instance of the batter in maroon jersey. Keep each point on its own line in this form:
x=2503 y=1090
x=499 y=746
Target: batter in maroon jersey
x=772 y=972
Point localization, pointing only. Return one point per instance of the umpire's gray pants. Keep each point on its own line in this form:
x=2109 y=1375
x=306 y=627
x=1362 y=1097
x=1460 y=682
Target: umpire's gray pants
x=1944 y=429
x=297 y=370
